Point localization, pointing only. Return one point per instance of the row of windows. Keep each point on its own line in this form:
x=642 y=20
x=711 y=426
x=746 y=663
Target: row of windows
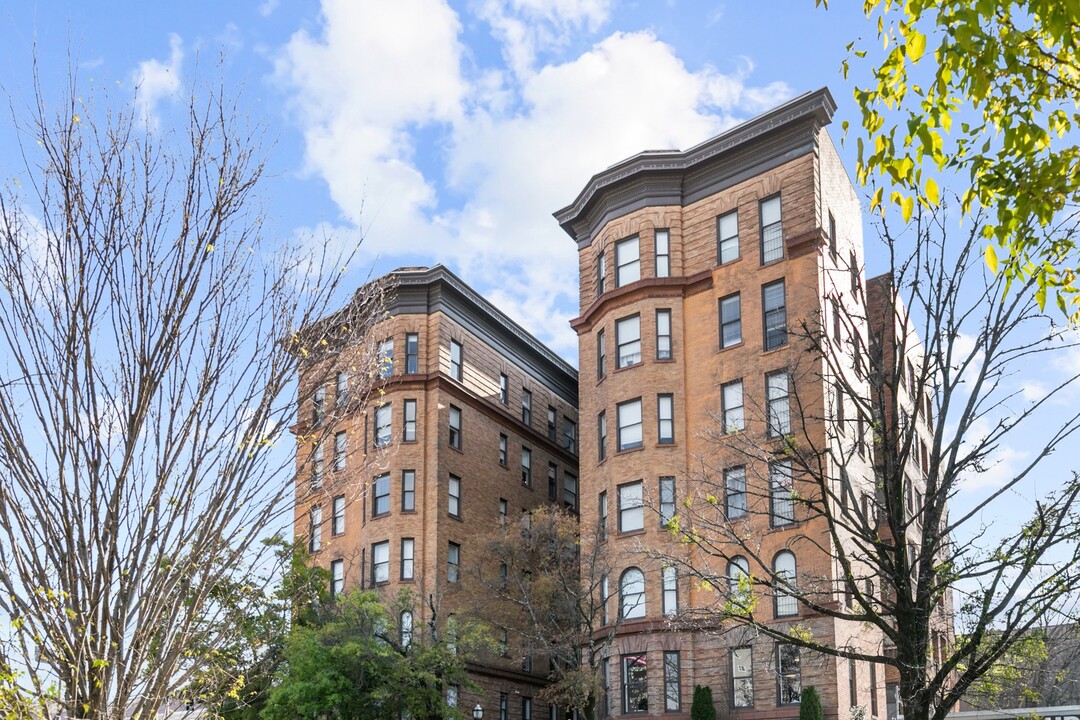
x=628 y=250
x=632 y=594
x=628 y=425
x=406 y=563
x=569 y=427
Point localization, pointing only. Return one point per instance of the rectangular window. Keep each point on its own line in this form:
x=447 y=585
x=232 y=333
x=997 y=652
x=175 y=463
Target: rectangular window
x=452 y=696
x=317 y=465
x=553 y=482
x=408 y=549
x=380 y=562
x=341 y=388
x=318 y=406
x=853 y=271
x=778 y=404
x=873 y=690
x=631 y=513
x=456 y=353
x=526 y=708
x=455 y=427
x=602 y=522
x=504 y=443
x=672 y=694
x=628 y=341
x=337 y=577
x=339 y=451
x=569 y=430
x=453 y=562
x=735 y=492
x=552 y=417
x=730 y=321
x=727 y=237
x=601 y=436
x=629 y=425
x=789 y=675
x=526 y=407
x=408 y=490
x=627 y=262
x=772 y=234
x=605 y=688
x=604 y=595
x=504 y=706
x=663 y=335
x=570 y=489
x=504 y=389
x=742 y=677
x=731 y=398
x=667 y=500
x=601 y=355
x=853 y=682
x=382 y=425
x=671 y=591
x=454 y=504
x=860 y=433
x=781 y=502
x=412 y=353
x=662 y=240
x=665 y=419
x=601 y=273
x=839 y=400
x=337 y=524
x=526 y=467
x=774 y=314
x=635 y=684
x=832 y=237
x=380 y=498
x=386 y=358
x=315 y=529
x=504 y=506
x=834 y=307
x=408 y=433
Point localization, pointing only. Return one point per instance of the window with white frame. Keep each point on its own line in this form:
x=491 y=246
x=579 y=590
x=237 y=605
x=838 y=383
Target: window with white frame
x=601 y=272
x=631 y=513
x=601 y=436
x=553 y=482
x=667 y=500
x=629 y=424
x=570 y=491
x=386 y=358
x=337 y=577
x=504 y=444
x=663 y=334
x=772 y=234
x=730 y=321
x=341 y=387
x=604 y=595
x=380 y=562
x=405 y=624
x=454 y=502
x=382 y=425
x=671 y=590
x=672 y=682
x=455 y=427
x=412 y=353
x=601 y=354
x=552 y=419
x=788 y=675
x=408 y=433
x=627 y=262
x=569 y=435
x=337 y=522
x=408 y=551
x=665 y=419
x=315 y=529
x=339 y=451
x=453 y=562
x=526 y=708
x=774 y=314
x=727 y=237
x=778 y=404
x=504 y=389
x=742 y=677
x=452 y=696
x=635 y=683
x=735 y=492
x=526 y=406
x=738 y=572
x=526 y=467
x=380 y=496
x=408 y=490
x=662 y=240
x=602 y=521
x=781 y=502
x=456 y=360
x=784 y=584
x=318 y=406
x=632 y=594
x=731 y=399
x=317 y=465
x=628 y=340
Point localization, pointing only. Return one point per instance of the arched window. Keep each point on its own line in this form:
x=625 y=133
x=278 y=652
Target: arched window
x=784 y=577
x=738 y=572
x=632 y=594
x=406 y=626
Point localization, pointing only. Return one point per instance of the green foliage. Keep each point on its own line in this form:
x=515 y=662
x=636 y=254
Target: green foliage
x=810 y=705
x=702 y=707
x=1012 y=680
x=987 y=90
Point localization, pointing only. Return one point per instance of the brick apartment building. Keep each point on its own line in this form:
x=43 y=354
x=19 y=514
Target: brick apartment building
x=693 y=266
x=471 y=420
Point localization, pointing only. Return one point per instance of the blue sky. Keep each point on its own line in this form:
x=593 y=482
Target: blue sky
x=448 y=131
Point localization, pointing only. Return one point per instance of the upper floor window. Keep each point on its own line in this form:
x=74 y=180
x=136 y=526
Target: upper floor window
x=601 y=273
x=601 y=523
x=832 y=237
x=667 y=500
x=382 y=425
x=504 y=442
x=601 y=354
x=455 y=427
x=551 y=420
x=778 y=404
x=671 y=590
x=380 y=496
x=341 y=387
x=526 y=467
x=730 y=321
x=665 y=419
x=570 y=491
x=317 y=465
x=635 y=684
x=337 y=577
x=632 y=593
x=629 y=425
x=784 y=583
x=788 y=675
x=526 y=406
x=631 y=513
x=453 y=562
x=380 y=562
x=340 y=451
x=663 y=253
x=727 y=237
x=740 y=583
x=454 y=503
x=553 y=482
x=772 y=234
x=735 y=492
x=601 y=436
x=408 y=433
x=318 y=406
x=774 y=314
x=569 y=429
x=408 y=490
x=663 y=334
x=504 y=389
x=456 y=358
x=628 y=340
x=386 y=358
x=412 y=353
x=672 y=682
x=627 y=262
x=315 y=529
x=731 y=400
x=337 y=523
x=781 y=500
x=742 y=677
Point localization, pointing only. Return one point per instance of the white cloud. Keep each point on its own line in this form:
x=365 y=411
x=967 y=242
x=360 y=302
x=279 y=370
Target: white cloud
x=155 y=81
x=267 y=7
x=510 y=148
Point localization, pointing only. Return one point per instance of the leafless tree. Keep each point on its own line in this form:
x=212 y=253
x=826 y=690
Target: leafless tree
x=907 y=389
x=150 y=339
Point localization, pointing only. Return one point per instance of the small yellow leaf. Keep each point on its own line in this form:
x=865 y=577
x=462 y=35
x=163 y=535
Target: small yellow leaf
x=907 y=206
x=932 y=194
x=992 y=259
